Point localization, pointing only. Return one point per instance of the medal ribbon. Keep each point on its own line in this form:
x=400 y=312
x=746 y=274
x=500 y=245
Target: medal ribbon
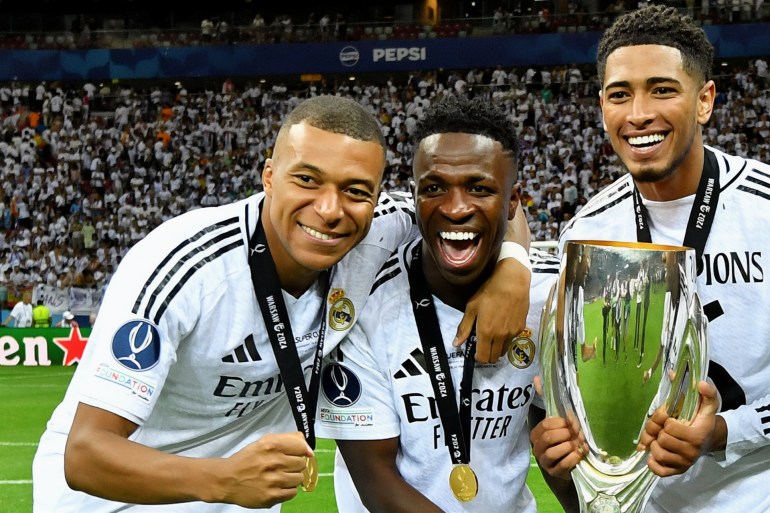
x=702 y=214
x=456 y=424
x=264 y=277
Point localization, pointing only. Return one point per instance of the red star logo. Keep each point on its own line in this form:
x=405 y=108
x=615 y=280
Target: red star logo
x=73 y=346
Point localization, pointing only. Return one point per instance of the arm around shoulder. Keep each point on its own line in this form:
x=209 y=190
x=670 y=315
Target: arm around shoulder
x=500 y=306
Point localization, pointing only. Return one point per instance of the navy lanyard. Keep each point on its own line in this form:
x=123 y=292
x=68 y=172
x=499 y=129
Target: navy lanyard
x=456 y=424
x=264 y=276
x=702 y=214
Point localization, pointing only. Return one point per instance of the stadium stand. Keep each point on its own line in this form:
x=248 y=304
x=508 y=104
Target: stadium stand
x=82 y=25
x=88 y=169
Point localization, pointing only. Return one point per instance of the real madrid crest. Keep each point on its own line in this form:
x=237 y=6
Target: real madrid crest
x=341 y=312
x=521 y=350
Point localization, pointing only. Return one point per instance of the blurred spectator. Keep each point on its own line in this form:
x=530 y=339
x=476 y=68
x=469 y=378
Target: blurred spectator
x=41 y=315
x=208 y=30
x=21 y=315
x=259 y=28
x=215 y=143
x=67 y=320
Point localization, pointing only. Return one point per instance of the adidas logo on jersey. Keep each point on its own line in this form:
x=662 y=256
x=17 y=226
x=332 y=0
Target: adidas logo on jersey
x=412 y=366
x=415 y=365
x=244 y=353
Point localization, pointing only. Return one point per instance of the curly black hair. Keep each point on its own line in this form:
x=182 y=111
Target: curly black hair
x=659 y=25
x=460 y=114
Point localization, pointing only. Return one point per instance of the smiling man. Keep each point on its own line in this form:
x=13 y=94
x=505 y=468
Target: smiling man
x=656 y=94
x=199 y=382
x=391 y=392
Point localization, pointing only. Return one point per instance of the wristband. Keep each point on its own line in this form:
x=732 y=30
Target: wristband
x=510 y=249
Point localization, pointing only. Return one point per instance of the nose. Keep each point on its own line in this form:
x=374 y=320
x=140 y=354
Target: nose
x=457 y=206
x=328 y=205
x=641 y=111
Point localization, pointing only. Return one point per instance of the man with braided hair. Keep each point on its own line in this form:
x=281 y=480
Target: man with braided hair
x=399 y=377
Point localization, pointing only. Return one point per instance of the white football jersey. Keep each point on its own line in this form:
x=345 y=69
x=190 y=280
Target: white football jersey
x=180 y=347
x=376 y=386
x=734 y=294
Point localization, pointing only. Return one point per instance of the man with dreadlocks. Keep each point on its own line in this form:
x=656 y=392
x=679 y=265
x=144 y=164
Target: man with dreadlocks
x=391 y=392
x=654 y=65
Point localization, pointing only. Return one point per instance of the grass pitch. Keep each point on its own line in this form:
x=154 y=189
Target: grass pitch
x=28 y=395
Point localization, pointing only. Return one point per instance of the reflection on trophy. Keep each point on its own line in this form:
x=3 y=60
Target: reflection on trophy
x=623 y=333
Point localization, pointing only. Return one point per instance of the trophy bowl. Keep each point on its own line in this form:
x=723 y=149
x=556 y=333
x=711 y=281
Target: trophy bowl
x=622 y=333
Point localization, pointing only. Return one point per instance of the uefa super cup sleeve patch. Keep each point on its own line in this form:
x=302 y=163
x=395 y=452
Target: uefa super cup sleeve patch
x=342 y=388
x=136 y=345
x=340 y=385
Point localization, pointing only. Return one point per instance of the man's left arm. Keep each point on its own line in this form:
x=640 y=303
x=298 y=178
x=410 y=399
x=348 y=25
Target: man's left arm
x=372 y=466
x=499 y=308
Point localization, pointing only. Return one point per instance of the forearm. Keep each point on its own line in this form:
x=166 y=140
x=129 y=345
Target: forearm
x=741 y=431
x=372 y=466
x=387 y=492
x=117 y=469
x=564 y=490
x=104 y=463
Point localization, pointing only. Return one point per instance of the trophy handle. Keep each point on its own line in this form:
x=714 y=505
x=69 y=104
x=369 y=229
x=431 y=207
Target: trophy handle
x=691 y=366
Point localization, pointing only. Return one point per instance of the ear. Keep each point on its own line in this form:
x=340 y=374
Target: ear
x=267 y=177
x=601 y=104
x=706 y=97
x=514 y=201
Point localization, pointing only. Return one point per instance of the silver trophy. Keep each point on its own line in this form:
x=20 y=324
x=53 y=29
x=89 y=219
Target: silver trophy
x=623 y=333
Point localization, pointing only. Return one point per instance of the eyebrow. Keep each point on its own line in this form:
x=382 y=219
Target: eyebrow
x=352 y=181
x=479 y=176
x=650 y=81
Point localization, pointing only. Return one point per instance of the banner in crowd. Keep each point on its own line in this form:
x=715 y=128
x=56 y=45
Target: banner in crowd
x=43 y=347
x=75 y=299
x=378 y=56
x=84 y=300
x=56 y=299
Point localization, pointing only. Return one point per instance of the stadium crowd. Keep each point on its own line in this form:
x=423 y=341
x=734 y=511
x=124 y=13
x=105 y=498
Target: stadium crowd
x=88 y=170
x=92 y=26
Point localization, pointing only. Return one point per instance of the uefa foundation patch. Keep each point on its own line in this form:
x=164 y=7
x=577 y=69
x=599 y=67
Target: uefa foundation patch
x=140 y=388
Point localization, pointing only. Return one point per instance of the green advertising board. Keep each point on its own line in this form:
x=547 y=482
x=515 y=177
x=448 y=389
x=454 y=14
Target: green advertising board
x=42 y=346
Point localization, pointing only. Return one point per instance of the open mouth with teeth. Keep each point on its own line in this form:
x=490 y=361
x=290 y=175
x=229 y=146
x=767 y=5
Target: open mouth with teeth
x=646 y=141
x=316 y=234
x=458 y=248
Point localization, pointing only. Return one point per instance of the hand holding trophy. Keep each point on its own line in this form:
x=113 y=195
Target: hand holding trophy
x=623 y=333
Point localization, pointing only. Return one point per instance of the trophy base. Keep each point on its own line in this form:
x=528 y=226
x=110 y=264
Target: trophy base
x=602 y=493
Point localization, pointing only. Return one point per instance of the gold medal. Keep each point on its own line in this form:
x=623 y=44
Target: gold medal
x=463 y=482
x=310 y=474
